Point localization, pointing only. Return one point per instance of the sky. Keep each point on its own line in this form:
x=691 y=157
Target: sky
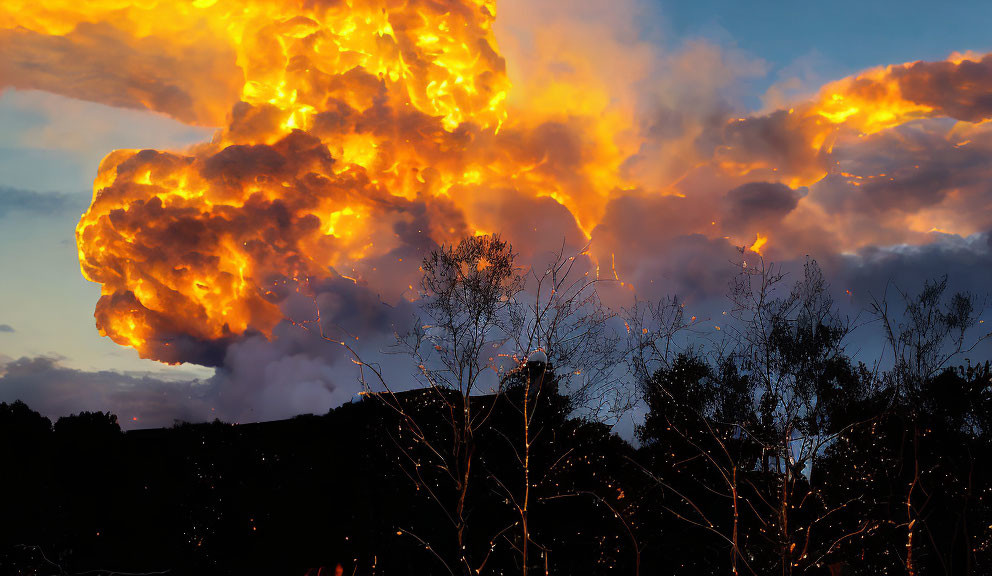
x=661 y=117
x=843 y=36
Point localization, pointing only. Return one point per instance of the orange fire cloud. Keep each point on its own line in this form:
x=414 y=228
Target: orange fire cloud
x=858 y=106
x=353 y=130
x=350 y=117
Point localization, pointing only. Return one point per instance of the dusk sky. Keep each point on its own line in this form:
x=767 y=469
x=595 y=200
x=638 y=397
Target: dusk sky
x=662 y=134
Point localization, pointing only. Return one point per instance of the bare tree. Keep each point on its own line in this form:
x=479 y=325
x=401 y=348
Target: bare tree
x=563 y=344
x=467 y=293
x=561 y=314
x=656 y=334
x=662 y=340
x=754 y=423
x=482 y=319
x=791 y=346
x=930 y=332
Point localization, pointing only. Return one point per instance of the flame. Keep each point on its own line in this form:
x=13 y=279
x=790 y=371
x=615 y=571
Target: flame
x=352 y=119
x=183 y=243
x=856 y=107
x=759 y=243
x=351 y=129
x=868 y=103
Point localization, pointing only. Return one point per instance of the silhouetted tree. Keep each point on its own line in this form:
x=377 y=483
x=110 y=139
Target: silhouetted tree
x=750 y=428
x=768 y=451
x=26 y=445
x=696 y=452
x=932 y=330
x=790 y=345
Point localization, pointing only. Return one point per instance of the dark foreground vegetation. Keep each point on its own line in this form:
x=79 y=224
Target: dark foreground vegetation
x=770 y=451
x=282 y=497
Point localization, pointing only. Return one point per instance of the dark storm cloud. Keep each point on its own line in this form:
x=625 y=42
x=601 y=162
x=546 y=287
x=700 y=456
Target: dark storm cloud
x=884 y=272
x=651 y=244
x=965 y=261
x=694 y=266
x=47 y=386
x=296 y=371
x=901 y=185
x=959 y=90
x=924 y=187
x=534 y=226
x=908 y=169
x=14 y=200
x=642 y=223
x=758 y=204
x=779 y=141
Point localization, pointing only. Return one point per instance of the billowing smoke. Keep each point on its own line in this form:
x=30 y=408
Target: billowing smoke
x=355 y=137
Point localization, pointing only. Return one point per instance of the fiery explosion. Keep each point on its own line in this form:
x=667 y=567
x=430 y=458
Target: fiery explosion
x=348 y=116
x=356 y=130
x=859 y=106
